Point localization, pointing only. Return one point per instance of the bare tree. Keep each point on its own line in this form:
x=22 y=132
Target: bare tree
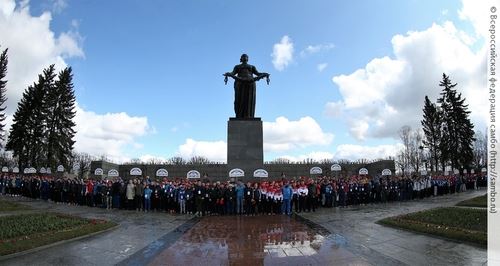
x=362 y=161
x=155 y=161
x=480 y=149
x=280 y=161
x=309 y=161
x=177 y=160
x=6 y=159
x=404 y=155
x=134 y=161
x=416 y=150
x=83 y=160
x=197 y=160
x=326 y=161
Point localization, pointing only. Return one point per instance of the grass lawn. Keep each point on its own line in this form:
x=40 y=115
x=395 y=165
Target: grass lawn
x=27 y=231
x=475 y=202
x=7 y=206
x=463 y=224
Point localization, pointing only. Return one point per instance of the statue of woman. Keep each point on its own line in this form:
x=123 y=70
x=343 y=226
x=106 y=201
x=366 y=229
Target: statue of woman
x=244 y=76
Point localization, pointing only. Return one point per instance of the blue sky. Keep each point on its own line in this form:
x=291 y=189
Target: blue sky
x=148 y=74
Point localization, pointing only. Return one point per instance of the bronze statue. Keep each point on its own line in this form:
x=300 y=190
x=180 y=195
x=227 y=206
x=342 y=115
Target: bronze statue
x=244 y=76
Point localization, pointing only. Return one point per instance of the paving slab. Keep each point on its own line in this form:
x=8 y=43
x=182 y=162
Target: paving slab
x=136 y=230
x=331 y=236
x=376 y=243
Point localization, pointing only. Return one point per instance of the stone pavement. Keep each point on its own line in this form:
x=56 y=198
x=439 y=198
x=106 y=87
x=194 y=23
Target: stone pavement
x=136 y=230
x=250 y=240
x=327 y=237
x=357 y=232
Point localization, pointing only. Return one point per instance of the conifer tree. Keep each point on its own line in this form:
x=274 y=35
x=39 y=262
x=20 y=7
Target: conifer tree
x=3 y=90
x=20 y=132
x=458 y=130
x=27 y=138
x=431 y=125
x=59 y=119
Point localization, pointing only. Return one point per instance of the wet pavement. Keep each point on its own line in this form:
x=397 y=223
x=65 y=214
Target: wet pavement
x=251 y=240
x=377 y=243
x=331 y=236
x=136 y=230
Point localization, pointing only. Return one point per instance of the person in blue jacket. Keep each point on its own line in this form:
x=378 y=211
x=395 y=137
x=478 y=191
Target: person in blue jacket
x=147 y=198
x=240 y=193
x=181 y=199
x=287 y=198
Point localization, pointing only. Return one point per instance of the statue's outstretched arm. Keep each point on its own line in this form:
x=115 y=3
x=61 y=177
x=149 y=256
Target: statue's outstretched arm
x=259 y=75
x=230 y=74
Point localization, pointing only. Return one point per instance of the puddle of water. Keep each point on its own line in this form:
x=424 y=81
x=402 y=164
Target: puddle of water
x=260 y=240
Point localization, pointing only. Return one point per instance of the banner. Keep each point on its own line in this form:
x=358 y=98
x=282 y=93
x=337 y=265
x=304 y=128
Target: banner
x=193 y=174
x=363 y=171
x=162 y=172
x=98 y=171
x=135 y=171
x=113 y=173
x=386 y=172
x=260 y=173
x=236 y=172
x=336 y=167
x=316 y=170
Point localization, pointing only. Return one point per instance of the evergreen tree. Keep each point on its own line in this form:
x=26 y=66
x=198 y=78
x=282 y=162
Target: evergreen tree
x=20 y=133
x=431 y=124
x=458 y=130
x=27 y=138
x=60 y=125
x=3 y=72
x=40 y=112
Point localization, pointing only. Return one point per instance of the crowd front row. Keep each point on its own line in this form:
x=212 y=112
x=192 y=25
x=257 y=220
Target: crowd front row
x=224 y=198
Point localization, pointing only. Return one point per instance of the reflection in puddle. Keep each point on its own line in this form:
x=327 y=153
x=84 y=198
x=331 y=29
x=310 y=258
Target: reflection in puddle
x=256 y=240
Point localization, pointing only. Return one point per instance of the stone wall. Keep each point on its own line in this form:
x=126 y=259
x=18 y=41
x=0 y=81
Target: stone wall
x=220 y=171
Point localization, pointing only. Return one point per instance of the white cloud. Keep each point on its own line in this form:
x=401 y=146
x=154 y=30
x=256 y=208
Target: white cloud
x=317 y=156
x=358 y=128
x=213 y=150
x=282 y=53
x=32 y=46
x=284 y=134
x=281 y=135
x=355 y=152
x=350 y=152
x=58 y=5
x=369 y=85
x=334 y=109
x=322 y=66
x=389 y=92
x=108 y=134
x=477 y=13
x=68 y=45
x=313 y=49
x=150 y=158
x=179 y=127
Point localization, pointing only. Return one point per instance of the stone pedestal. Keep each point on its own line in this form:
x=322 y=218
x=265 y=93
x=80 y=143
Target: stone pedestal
x=245 y=145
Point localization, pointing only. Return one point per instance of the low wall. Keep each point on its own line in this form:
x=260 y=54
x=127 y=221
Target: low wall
x=221 y=172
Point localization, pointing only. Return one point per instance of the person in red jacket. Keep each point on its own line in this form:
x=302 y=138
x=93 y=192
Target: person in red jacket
x=88 y=192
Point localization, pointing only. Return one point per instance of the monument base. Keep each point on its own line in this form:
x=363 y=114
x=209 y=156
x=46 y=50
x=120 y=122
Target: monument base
x=245 y=145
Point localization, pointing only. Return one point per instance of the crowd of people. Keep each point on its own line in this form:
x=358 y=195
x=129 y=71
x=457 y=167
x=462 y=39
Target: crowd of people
x=283 y=196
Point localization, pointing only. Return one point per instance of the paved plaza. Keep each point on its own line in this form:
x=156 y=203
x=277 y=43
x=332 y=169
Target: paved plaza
x=326 y=237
